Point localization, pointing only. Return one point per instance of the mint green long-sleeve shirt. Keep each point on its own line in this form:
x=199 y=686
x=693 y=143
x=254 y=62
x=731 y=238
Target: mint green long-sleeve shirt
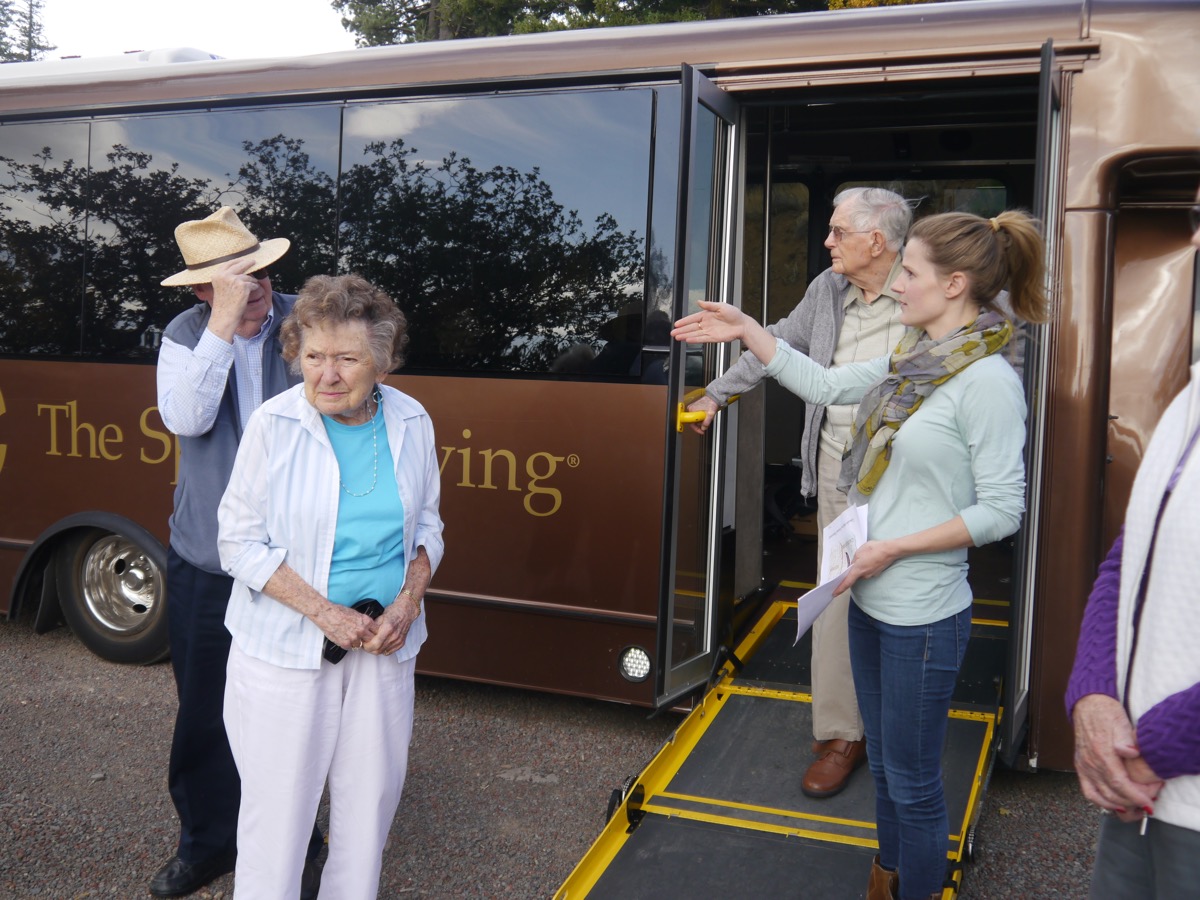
x=959 y=454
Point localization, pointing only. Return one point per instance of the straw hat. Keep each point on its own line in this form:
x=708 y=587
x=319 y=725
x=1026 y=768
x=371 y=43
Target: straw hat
x=220 y=238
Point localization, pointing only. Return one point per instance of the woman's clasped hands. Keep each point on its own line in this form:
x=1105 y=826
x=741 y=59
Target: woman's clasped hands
x=391 y=628
x=353 y=630
x=346 y=627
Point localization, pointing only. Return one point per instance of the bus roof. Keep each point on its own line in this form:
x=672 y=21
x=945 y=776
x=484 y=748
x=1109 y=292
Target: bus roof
x=73 y=66
x=805 y=40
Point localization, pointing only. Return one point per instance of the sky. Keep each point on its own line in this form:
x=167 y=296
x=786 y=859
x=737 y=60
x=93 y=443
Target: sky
x=235 y=29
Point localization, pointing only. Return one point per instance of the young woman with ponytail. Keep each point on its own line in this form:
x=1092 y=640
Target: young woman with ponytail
x=937 y=454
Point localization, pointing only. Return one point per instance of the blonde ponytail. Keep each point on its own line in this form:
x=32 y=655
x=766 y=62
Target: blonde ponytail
x=1004 y=252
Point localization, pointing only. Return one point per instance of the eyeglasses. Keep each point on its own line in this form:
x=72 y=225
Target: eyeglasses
x=839 y=232
x=261 y=274
x=1194 y=217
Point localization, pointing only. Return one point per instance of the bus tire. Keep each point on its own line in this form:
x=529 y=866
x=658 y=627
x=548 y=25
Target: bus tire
x=113 y=595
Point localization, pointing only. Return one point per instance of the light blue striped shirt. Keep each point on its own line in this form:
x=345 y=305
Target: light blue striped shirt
x=192 y=382
x=281 y=506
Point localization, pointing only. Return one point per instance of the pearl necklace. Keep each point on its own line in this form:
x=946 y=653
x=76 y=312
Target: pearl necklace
x=374 y=449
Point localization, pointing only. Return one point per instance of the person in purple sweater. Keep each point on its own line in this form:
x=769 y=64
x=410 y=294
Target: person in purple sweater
x=1134 y=692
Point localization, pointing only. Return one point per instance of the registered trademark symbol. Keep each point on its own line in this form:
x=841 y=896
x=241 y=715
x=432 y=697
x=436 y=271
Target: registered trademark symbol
x=573 y=460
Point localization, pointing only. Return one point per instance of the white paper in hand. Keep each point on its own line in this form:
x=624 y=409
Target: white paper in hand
x=841 y=540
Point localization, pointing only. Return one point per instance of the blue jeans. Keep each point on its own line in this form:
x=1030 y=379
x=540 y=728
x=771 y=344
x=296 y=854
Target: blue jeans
x=904 y=676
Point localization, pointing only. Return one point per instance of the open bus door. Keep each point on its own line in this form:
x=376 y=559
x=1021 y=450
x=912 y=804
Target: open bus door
x=1046 y=203
x=690 y=602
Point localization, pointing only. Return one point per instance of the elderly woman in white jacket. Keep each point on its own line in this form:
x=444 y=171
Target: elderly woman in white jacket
x=333 y=500
x=1134 y=692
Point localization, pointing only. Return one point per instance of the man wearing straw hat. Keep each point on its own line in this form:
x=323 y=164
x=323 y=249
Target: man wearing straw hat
x=218 y=362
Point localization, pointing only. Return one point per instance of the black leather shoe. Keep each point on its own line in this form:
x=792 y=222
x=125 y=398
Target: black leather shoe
x=178 y=877
x=310 y=880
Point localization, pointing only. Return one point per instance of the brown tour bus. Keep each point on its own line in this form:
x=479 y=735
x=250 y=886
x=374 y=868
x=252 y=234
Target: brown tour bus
x=542 y=207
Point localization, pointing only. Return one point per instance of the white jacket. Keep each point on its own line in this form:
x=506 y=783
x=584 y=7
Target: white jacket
x=281 y=505
x=1167 y=660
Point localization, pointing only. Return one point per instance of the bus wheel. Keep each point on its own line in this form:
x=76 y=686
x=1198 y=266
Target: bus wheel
x=113 y=595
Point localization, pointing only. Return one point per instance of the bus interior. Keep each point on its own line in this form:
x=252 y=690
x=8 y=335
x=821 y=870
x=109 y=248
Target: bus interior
x=943 y=146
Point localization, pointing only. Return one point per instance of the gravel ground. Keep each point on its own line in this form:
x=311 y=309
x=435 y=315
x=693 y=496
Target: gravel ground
x=506 y=789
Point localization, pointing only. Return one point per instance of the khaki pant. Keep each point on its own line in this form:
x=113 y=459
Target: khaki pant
x=834 y=705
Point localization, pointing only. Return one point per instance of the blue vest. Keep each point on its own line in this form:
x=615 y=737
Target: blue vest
x=206 y=461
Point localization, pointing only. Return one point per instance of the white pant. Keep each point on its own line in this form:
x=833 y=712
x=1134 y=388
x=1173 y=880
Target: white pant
x=290 y=729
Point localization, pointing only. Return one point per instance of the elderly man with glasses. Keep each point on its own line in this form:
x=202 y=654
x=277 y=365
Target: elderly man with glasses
x=848 y=314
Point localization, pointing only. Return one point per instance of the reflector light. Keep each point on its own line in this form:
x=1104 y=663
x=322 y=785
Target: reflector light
x=634 y=664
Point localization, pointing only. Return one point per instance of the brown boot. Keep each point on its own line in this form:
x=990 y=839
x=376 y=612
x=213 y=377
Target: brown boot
x=833 y=768
x=883 y=884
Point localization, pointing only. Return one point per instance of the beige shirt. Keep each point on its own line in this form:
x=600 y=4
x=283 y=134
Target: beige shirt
x=869 y=331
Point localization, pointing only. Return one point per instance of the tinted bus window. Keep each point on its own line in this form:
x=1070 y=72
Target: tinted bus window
x=276 y=167
x=981 y=196
x=43 y=178
x=511 y=230
x=788 y=259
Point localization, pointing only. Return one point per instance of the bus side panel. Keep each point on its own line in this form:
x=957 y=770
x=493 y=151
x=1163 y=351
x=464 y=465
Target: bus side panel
x=1139 y=93
x=552 y=495
x=541 y=650
x=1153 y=265
x=552 y=499
x=10 y=561
x=82 y=436
x=1073 y=475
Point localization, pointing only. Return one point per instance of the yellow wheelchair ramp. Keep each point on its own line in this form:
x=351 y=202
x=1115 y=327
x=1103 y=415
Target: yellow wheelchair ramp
x=719 y=812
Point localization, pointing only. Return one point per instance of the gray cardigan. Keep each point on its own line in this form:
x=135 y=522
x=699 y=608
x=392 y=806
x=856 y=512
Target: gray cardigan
x=812 y=328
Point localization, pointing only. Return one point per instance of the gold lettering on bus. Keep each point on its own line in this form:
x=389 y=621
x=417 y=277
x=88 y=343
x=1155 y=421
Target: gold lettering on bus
x=107 y=433
x=168 y=440
x=539 y=468
x=98 y=440
x=533 y=489
x=53 y=451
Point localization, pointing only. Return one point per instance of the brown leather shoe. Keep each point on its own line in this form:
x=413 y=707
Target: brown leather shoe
x=830 y=772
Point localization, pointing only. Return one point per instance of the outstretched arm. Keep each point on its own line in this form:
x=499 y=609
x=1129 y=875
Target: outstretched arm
x=720 y=323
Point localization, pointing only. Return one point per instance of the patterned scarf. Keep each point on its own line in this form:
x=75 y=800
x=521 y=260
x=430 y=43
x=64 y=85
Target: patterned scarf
x=918 y=365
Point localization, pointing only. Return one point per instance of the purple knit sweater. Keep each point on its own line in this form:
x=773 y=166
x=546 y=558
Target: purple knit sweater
x=1169 y=733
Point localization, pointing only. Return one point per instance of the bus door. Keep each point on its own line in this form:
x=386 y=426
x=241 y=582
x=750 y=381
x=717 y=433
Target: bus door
x=1047 y=202
x=691 y=607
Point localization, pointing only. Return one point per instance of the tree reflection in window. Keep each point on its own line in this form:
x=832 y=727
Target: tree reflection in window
x=491 y=270
x=41 y=248
x=494 y=265
x=119 y=222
